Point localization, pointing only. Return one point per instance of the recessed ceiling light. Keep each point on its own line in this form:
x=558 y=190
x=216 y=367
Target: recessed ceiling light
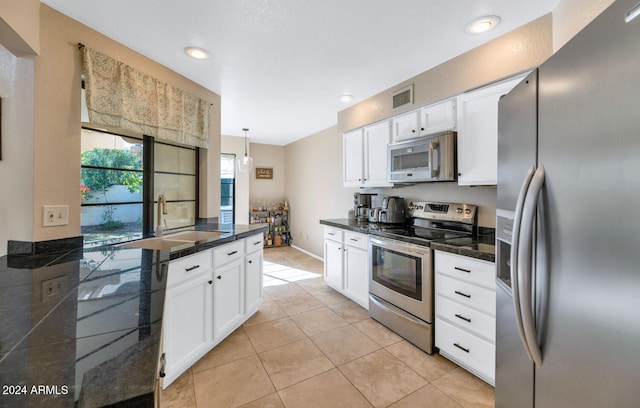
x=197 y=53
x=345 y=98
x=482 y=24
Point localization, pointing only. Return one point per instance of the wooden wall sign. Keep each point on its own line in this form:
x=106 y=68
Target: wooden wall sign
x=264 y=173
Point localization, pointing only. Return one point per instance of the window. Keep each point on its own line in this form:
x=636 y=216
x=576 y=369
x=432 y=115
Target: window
x=116 y=170
x=227 y=188
x=111 y=187
x=175 y=176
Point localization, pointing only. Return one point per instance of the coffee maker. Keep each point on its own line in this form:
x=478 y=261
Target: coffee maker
x=361 y=205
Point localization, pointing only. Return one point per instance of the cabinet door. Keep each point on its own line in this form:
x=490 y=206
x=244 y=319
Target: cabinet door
x=478 y=133
x=187 y=321
x=406 y=126
x=376 y=139
x=253 y=281
x=228 y=298
x=357 y=275
x=333 y=264
x=352 y=158
x=439 y=117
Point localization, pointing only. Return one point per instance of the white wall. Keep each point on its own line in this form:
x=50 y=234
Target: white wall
x=265 y=190
x=16 y=166
x=571 y=16
x=235 y=145
x=314 y=187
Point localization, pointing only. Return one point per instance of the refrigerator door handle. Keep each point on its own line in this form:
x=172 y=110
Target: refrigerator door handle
x=525 y=257
x=515 y=243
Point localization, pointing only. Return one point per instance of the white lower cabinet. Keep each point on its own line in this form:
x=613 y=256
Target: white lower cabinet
x=228 y=299
x=356 y=270
x=253 y=281
x=187 y=321
x=465 y=306
x=209 y=294
x=346 y=264
x=333 y=266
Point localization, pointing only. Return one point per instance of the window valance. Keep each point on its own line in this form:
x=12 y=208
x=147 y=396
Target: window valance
x=122 y=97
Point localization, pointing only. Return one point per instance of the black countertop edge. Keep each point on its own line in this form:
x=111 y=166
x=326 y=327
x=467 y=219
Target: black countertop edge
x=46 y=336
x=479 y=247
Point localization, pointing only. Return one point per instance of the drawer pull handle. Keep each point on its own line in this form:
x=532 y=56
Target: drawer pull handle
x=191 y=268
x=462 y=269
x=257 y=243
x=331 y=233
x=354 y=239
x=232 y=253
x=250 y=261
x=210 y=282
x=466 y=350
x=468 y=296
x=466 y=319
x=219 y=276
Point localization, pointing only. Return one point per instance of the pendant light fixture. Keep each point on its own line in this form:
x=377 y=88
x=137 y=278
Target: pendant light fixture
x=245 y=164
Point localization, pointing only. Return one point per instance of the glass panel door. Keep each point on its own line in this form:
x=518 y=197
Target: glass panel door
x=227 y=188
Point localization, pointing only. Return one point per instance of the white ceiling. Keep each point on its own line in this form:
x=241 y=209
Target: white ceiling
x=280 y=65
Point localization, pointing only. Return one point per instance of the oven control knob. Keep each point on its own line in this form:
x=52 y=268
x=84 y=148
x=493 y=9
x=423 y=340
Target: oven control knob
x=421 y=207
x=459 y=210
x=467 y=211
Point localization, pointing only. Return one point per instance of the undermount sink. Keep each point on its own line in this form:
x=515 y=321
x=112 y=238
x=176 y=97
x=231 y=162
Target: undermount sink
x=173 y=240
x=196 y=235
x=155 y=243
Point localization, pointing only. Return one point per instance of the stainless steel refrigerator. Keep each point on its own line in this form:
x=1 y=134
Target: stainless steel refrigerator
x=568 y=224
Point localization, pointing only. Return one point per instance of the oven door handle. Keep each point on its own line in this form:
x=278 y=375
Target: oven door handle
x=515 y=244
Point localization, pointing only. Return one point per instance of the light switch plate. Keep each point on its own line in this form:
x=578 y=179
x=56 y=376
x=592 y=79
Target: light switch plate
x=55 y=215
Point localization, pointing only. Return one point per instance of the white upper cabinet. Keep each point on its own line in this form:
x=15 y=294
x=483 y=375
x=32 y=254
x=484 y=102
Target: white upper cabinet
x=365 y=156
x=439 y=117
x=352 y=158
x=478 y=133
x=435 y=118
x=406 y=126
x=376 y=139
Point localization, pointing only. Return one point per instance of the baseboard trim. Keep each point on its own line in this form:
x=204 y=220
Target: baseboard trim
x=308 y=253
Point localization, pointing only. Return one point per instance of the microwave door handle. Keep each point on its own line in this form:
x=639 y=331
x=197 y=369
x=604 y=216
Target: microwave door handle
x=434 y=170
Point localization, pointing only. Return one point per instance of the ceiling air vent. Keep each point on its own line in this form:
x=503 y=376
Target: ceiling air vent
x=403 y=97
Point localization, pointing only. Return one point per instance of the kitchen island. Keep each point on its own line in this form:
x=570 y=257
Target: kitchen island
x=83 y=327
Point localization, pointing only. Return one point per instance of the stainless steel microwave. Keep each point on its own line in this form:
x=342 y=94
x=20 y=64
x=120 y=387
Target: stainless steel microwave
x=429 y=158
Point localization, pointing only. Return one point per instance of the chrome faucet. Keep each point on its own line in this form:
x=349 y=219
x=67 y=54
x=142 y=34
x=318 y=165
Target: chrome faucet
x=162 y=209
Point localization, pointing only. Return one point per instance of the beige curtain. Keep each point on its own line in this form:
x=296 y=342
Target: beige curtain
x=122 y=97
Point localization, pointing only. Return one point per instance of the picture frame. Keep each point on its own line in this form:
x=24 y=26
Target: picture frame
x=264 y=173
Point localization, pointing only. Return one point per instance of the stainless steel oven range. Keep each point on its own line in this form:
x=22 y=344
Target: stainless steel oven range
x=401 y=267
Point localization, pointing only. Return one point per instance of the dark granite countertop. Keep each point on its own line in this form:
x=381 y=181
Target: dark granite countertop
x=479 y=247
x=82 y=327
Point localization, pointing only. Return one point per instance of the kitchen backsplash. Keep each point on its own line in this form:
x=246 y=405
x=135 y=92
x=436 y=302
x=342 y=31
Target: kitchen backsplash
x=482 y=196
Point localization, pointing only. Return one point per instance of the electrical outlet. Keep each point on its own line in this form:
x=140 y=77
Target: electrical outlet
x=53 y=288
x=54 y=215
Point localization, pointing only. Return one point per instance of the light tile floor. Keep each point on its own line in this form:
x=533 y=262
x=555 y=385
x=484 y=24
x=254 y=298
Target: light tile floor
x=309 y=346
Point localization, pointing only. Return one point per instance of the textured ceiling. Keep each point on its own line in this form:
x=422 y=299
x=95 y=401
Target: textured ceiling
x=280 y=65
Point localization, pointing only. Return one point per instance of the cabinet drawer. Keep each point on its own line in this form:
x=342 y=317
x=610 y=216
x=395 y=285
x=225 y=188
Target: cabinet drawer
x=467 y=318
x=253 y=243
x=356 y=239
x=333 y=233
x=466 y=293
x=183 y=269
x=228 y=253
x=467 y=350
x=465 y=268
